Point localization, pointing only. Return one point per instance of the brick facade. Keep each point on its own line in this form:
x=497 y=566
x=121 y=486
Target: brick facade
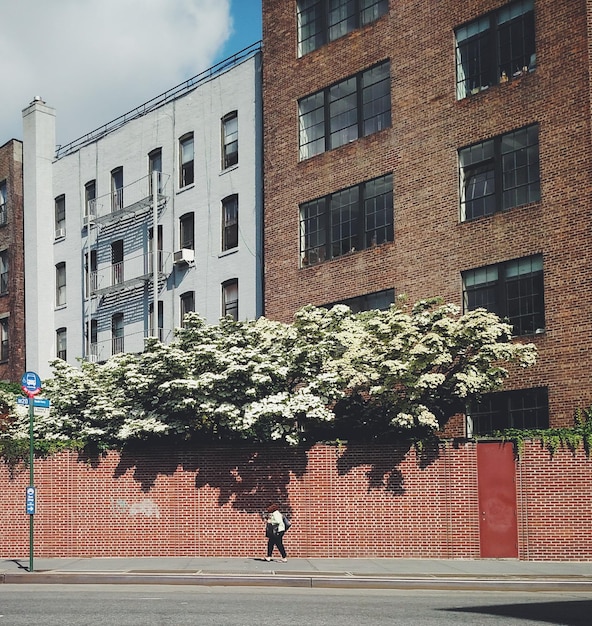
x=344 y=502
x=431 y=245
x=11 y=239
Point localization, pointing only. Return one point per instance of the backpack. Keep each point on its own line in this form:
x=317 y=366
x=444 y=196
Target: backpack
x=287 y=522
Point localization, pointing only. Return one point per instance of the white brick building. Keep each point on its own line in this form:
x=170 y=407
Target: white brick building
x=90 y=208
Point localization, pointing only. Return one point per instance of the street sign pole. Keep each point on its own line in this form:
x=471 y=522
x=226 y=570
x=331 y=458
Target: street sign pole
x=31 y=385
x=31 y=477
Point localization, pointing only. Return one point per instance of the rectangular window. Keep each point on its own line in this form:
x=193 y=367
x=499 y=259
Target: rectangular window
x=523 y=408
x=155 y=165
x=117 y=189
x=352 y=219
x=320 y=21
x=61 y=344
x=60 y=284
x=159 y=321
x=513 y=290
x=4 y=339
x=355 y=107
x=3 y=203
x=117 y=262
x=4 y=265
x=60 y=217
x=230 y=222
x=500 y=173
x=187 y=231
x=91 y=273
x=158 y=248
x=377 y=300
x=90 y=199
x=186 y=173
x=187 y=305
x=495 y=48
x=94 y=336
x=230 y=299
x=117 y=333
x=230 y=140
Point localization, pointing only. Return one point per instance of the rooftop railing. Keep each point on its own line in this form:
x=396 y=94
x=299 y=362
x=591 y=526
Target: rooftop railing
x=172 y=94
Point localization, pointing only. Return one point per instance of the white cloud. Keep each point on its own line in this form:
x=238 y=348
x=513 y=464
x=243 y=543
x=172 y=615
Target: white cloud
x=93 y=60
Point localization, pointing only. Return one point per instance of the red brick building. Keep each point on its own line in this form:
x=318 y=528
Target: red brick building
x=437 y=149
x=12 y=300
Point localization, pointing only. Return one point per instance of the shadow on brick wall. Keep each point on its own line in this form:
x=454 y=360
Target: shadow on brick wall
x=249 y=477
x=384 y=462
x=253 y=477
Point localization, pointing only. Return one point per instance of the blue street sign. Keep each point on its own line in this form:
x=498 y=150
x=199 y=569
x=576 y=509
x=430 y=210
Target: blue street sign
x=39 y=403
x=31 y=497
x=31 y=383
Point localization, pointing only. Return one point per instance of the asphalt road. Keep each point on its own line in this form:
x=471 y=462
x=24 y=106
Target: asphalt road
x=143 y=605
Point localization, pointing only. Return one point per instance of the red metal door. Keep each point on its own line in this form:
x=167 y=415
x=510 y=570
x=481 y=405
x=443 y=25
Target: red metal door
x=498 y=524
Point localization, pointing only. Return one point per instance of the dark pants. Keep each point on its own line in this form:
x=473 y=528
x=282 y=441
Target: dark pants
x=276 y=540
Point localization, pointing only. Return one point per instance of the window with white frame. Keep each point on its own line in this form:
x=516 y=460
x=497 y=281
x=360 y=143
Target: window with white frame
x=117 y=275
x=91 y=272
x=320 y=21
x=90 y=198
x=187 y=301
x=3 y=203
x=94 y=335
x=159 y=260
x=60 y=272
x=495 y=48
x=4 y=266
x=159 y=321
x=117 y=333
x=520 y=408
x=500 y=173
x=117 y=189
x=230 y=222
x=230 y=140
x=187 y=231
x=4 y=338
x=230 y=299
x=60 y=216
x=355 y=107
x=155 y=165
x=186 y=157
x=513 y=290
x=352 y=219
x=61 y=344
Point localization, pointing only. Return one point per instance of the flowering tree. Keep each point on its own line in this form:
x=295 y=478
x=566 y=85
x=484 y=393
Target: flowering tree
x=373 y=372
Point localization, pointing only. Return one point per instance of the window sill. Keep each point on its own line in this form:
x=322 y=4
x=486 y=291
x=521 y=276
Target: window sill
x=59 y=307
x=228 y=169
x=186 y=188
x=225 y=253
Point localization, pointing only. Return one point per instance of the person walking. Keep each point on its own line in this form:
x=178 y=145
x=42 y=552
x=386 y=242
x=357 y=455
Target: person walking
x=274 y=531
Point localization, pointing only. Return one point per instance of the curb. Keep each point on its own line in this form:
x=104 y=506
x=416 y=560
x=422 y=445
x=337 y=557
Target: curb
x=304 y=581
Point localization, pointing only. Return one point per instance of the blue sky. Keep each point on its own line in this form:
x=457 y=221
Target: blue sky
x=93 y=68
x=246 y=17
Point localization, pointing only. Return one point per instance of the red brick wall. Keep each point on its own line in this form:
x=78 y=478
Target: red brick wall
x=431 y=247
x=344 y=502
x=11 y=239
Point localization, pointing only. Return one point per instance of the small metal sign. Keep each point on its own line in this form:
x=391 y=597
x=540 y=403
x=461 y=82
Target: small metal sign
x=31 y=500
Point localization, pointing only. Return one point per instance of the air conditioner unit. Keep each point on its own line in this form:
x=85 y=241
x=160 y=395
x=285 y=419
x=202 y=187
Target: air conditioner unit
x=60 y=232
x=185 y=256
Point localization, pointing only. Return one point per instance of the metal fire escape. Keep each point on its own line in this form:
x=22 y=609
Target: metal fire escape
x=144 y=200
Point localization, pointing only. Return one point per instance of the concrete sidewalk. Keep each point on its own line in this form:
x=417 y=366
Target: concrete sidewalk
x=484 y=574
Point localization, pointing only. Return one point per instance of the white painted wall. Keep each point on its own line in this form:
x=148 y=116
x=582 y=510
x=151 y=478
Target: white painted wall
x=38 y=152
x=199 y=111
